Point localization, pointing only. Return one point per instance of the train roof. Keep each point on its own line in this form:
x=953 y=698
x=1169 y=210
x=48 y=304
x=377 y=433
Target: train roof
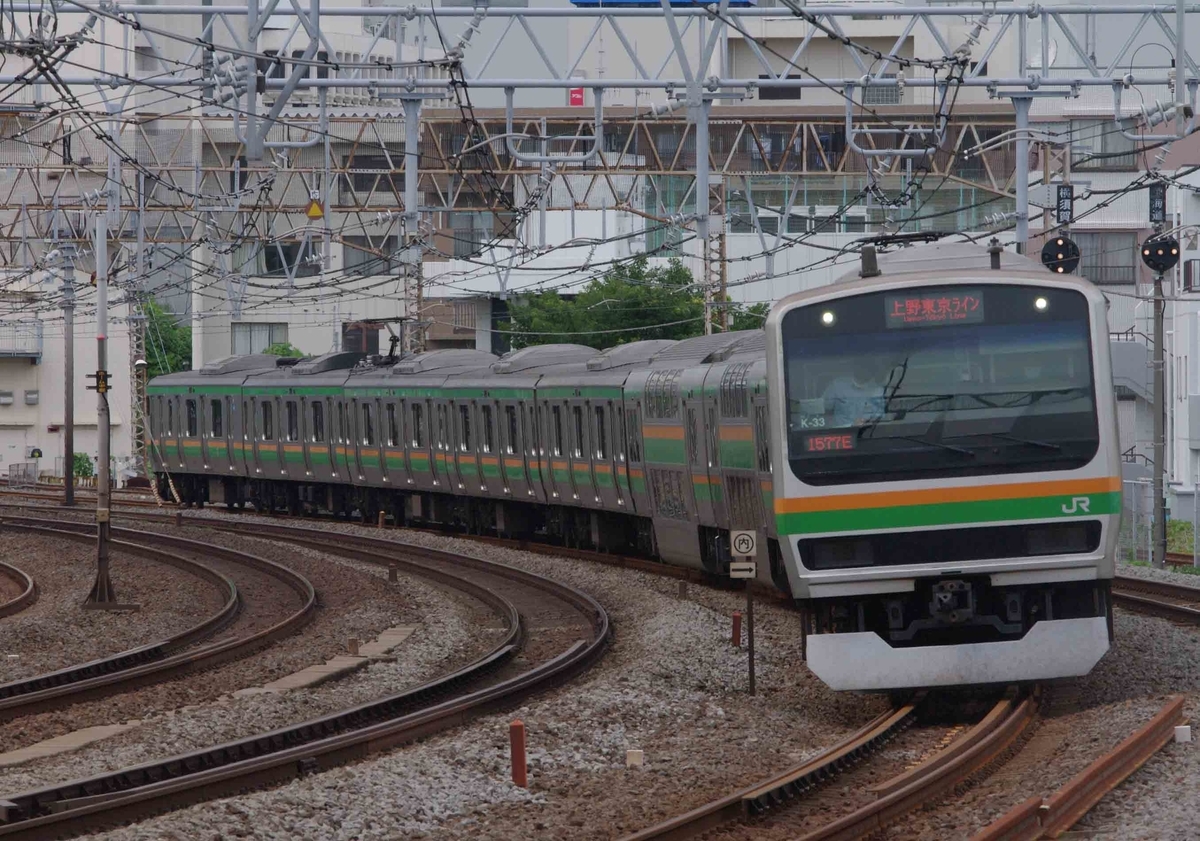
x=324 y=370
x=950 y=257
x=229 y=370
x=705 y=350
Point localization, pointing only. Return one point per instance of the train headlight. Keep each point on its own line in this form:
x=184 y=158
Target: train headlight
x=827 y=318
x=1040 y=304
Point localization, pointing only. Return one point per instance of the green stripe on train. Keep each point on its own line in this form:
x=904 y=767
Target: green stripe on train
x=947 y=513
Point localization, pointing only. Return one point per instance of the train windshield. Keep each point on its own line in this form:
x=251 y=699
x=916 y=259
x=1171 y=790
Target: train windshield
x=939 y=381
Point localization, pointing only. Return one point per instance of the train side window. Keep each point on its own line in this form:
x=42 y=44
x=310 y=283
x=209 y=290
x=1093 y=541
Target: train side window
x=464 y=428
x=393 y=434
x=714 y=454
x=693 y=443
x=418 y=425
x=368 y=430
x=489 y=434
x=633 y=430
x=510 y=415
x=341 y=418
x=193 y=426
x=170 y=416
x=293 y=420
x=619 y=442
x=217 y=427
x=556 y=411
x=318 y=421
x=601 y=434
x=578 y=448
x=268 y=421
x=761 y=448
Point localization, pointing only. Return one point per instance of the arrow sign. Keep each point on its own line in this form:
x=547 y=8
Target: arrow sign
x=314 y=210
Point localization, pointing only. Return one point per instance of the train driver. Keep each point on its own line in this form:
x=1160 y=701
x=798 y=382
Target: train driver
x=858 y=398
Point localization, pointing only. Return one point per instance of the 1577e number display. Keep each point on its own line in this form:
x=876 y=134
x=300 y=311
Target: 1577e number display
x=825 y=443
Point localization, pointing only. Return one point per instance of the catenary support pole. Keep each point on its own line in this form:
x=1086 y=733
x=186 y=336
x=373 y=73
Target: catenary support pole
x=1159 y=520
x=1021 y=107
x=102 y=590
x=413 y=267
x=68 y=292
x=701 y=113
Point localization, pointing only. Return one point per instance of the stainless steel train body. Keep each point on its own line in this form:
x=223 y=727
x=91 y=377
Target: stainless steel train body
x=943 y=540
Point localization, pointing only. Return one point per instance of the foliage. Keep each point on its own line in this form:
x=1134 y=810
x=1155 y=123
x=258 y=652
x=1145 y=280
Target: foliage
x=1179 y=535
x=81 y=465
x=663 y=301
x=283 y=349
x=168 y=342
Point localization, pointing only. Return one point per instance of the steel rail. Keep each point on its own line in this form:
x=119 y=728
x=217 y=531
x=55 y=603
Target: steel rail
x=1050 y=817
x=25 y=598
x=283 y=754
x=169 y=658
x=1147 y=596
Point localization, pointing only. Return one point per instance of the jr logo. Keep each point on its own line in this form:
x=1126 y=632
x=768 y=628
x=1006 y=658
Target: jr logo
x=1079 y=504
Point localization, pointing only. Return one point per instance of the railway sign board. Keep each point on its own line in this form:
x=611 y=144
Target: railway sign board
x=743 y=569
x=743 y=544
x=1064 y=205
x=1158 y=202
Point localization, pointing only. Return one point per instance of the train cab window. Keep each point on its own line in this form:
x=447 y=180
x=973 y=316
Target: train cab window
x=217 y=425
x=601 y=434
x=193 y=425
x=293 y=420
x=418 y=425
x=318 y=422
x=489 y=433
x=556 y=412
x=268 y=421
x=510 y=415
x=393 y=433
x=464 y=428
x=578 y=448
x=368 y=428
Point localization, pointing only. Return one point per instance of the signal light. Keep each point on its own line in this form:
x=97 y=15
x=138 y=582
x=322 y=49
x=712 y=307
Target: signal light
x=1060 y=255
x=1160 y=254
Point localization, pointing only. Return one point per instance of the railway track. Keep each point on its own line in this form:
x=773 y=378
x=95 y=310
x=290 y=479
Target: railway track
x=22 y=584
x=170 y=658
x=790 y=804
x=1160 y=598
x=539 y=649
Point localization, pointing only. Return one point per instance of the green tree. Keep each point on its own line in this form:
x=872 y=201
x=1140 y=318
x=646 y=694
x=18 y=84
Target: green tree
x=82 y=465
x=283 y=349
x=752 y=317
x=168 y=341
x=632 y=301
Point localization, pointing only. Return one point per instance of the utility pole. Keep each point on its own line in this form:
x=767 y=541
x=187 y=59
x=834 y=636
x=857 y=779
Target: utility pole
x=102 y=594
x=68 y=291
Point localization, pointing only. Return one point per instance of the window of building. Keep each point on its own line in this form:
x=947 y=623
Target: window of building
x=256 y=338
x=193 y=424
x=471 y=230
x=370 y=255
x=280 y=257
x=268 y=421
x=292 y=410
x=368 y=430
x=361 y=338
x=882 y=95
x=578 y=443
x=418 y=425
x=239 y=176
x=601 y=433
x=464 y=428
x=489 y=439
x=767 y=90
x=464 y=316
x=1108 y=257
x=375 y=172
x=217 y=428
x=556 y=413
x=393 y=432
x=510 y=415
x=318 y=421
x=1096 y=144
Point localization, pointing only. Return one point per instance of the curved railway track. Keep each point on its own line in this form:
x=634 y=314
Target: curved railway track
x=790 y=804
x=166 y=659
x=26 y=590
x=529 y=605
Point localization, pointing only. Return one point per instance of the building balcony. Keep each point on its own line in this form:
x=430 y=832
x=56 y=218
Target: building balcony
x=21 y=339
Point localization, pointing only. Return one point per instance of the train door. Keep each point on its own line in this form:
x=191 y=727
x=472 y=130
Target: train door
x=535 y=449
x=490 y=478
x=443 y=470
x=635 y=466
x=292 y=446
x=464 y=463
x=175 y=430
x=697 y=458
x=558 y=467
x=391 y=460
x=580 y=456
x=305 y=408
x=712 y=453
x=216 y=448
x=605 y=467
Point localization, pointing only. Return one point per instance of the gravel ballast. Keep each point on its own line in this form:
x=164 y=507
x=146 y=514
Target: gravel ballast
x=56 y=632
x=671 y=685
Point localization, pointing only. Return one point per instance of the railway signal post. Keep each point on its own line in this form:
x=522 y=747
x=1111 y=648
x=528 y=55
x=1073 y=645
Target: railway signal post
x=743 y=546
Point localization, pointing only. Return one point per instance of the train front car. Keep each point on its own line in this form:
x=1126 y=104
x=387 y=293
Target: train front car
x=946 y=469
